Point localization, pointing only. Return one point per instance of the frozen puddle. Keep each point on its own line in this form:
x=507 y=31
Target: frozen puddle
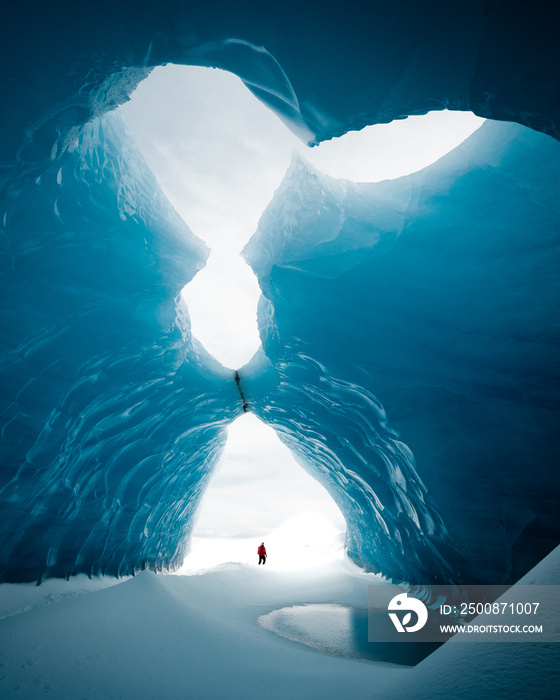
x=341 y=630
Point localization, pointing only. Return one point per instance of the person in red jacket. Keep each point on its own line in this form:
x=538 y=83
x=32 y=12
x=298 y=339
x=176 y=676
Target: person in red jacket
x=262 y=554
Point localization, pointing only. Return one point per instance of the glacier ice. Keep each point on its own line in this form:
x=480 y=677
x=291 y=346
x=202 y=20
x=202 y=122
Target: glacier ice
x=410 y=347
x=112 y=416
x=411 y=353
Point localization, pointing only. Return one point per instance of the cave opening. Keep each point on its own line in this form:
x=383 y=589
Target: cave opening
x=258 y=492
x=219 y=154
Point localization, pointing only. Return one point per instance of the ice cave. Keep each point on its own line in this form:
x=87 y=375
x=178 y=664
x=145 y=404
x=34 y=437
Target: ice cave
x=409 y=327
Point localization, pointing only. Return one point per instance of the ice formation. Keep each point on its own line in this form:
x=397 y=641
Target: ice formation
x=410 y=345
x=411 y=353
x=112 y=416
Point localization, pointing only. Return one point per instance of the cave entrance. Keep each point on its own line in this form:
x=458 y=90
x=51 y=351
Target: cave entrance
x=219 y=154
x=258 y=492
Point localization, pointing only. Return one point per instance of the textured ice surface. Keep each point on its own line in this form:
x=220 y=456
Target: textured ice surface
x=411 y=333
x=410 y=326
x=111 y=421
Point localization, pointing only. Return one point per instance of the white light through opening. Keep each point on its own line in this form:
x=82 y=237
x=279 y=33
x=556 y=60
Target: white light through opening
x=257 y=493
x=219 y=154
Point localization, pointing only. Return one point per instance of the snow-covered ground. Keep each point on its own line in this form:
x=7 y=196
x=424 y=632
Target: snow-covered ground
x=157 y=636
x=167 y=636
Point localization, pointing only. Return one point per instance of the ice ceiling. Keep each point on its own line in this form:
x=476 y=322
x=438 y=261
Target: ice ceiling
x=410 y=334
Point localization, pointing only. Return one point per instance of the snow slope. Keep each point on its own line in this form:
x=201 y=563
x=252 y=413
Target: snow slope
x=516 y=671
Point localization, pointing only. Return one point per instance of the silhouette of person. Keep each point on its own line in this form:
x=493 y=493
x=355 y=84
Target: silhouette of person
x=261 y=551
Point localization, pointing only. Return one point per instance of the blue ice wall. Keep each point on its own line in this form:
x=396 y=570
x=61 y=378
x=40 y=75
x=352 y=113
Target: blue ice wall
x=112 y=417
x=411 y=331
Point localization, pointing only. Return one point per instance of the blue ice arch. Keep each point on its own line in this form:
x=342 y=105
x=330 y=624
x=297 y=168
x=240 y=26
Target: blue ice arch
x=410 y=335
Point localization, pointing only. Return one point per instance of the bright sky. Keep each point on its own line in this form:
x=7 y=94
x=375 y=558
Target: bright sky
x=219 y=155
x=257 y=493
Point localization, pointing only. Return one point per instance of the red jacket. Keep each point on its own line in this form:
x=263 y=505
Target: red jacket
x=261 y=551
